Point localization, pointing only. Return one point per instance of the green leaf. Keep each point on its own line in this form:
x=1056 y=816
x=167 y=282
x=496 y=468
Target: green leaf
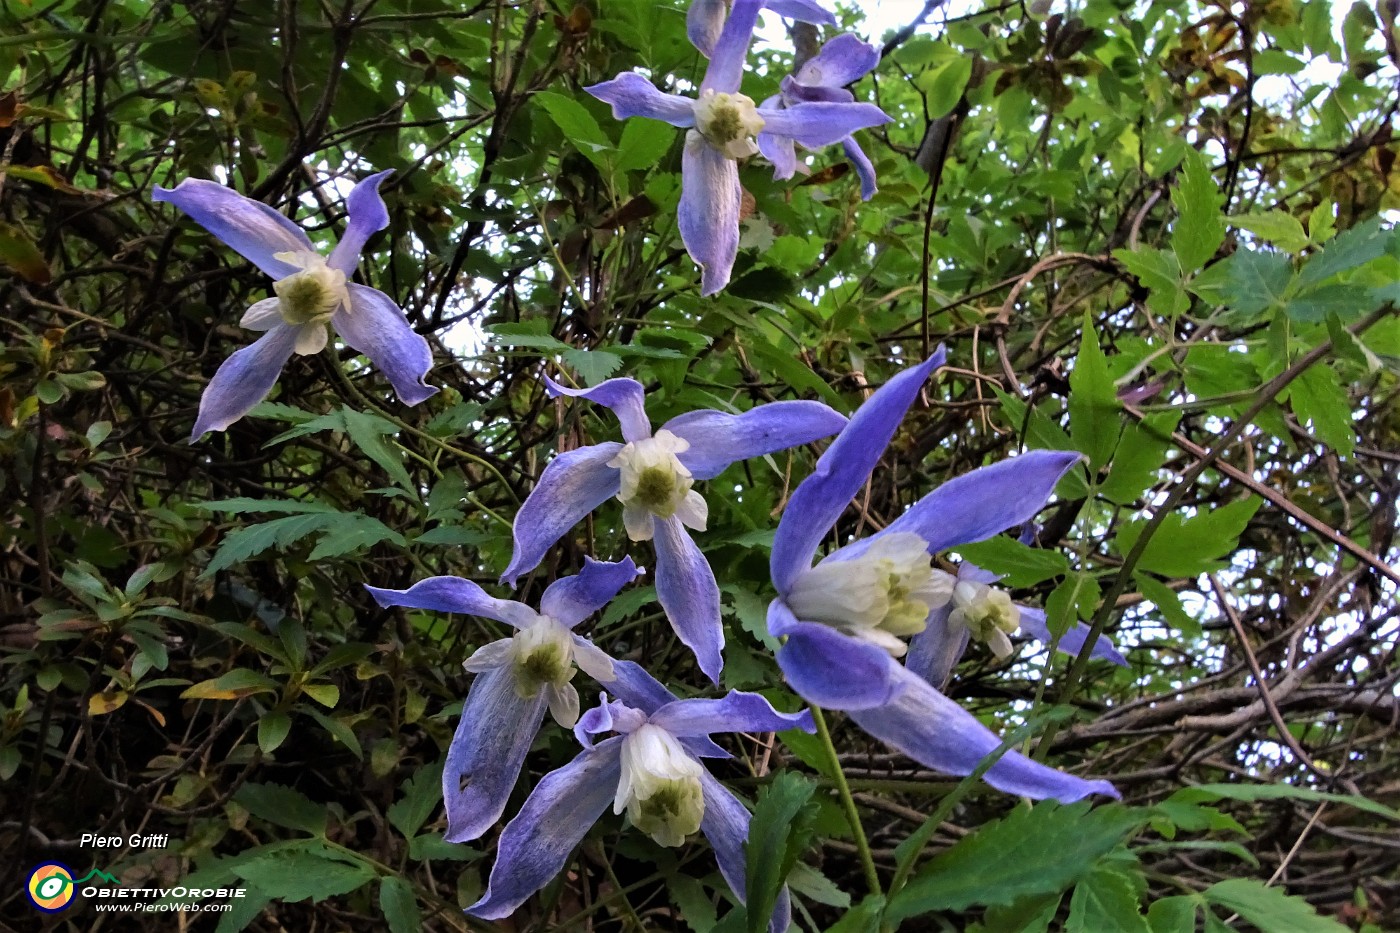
x=696 y=907
x=1106 y=900
x=593 y=365
x=1280 y=228
x=1093 y=401
x=1319 y=401
x=578 y=126
x=422 y=792
x=400 y=905
x=1137 y=461
x=1033 y=850
x=815 y=886
x=243 y=504
x=283 y=806
x=1185 y=547
x=863 y=918
x=1074 y=599
x=243 y=543
x=943 y=85
x=1347 y=250
x=1160 y=271
x=366 y=431
x=237 y=683
x=1169 y=604
x=1018 y=564
x=1256 y=792
x=1258 y=280
x=298 y=875
x=1173 y=914
x=643 y=145
x=778 y=833
x=353 y=531
x=1269 y=909
x=272 y=731
x=17 y=250
x=1198 y=231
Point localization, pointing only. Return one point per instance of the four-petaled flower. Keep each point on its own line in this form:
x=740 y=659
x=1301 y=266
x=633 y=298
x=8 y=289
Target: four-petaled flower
x=517 y=678
x=824 y=78
x=977 y=609
x=843 y=619
x=311 y=292
x=651 y=769
x=721 y=127
x=652 y=474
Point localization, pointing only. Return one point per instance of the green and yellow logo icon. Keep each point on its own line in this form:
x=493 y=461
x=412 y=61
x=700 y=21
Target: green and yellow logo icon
x=51 y=887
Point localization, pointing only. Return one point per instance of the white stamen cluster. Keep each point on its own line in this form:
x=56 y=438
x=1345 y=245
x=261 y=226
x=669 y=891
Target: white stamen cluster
x=656 y=483
x=987 y=613
x=880 y=597
x=660 y=786
x=306 y=299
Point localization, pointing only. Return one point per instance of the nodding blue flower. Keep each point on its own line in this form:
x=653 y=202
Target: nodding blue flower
x=976 y=609
x=311 y=292
x=844 y=619
x=651 y=770
x=518 y=678
x=704 y=20
x=653 y=475
x=823 y=79
x=721 y=126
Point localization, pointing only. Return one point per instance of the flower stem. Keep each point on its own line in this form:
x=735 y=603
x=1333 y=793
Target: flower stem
x=848 y=803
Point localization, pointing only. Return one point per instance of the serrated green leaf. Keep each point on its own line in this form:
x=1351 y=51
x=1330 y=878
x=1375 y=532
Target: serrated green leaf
x=593 y=366
x=1258 y=281
x=351 y=532
x=1347 y=250
x=1018 y=564
x=400 y=905
x=815 y=886
x=1269 y=909
x=944 y=83
x=1185 y=547
x=421 y=794
x=243 y=543
x=863 y=918
x=367 y=432
x=1255 y=792
x=642 y=146
x=1137 y=460
x=243 y=504
x=1037 y=850
x=696 y=907
x=1320 y=402
x=298 y=875
x=1160 y=271
x=1173 y=914
x=578 y=126
x=1093 y=402
x=1105 y=900
x=1169 y=604
x=778 y=833
x=1199 y=230
x=1280 y=228
x=284 y=806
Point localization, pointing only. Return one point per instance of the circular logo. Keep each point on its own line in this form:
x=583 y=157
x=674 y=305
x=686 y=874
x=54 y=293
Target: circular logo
x=50 y=887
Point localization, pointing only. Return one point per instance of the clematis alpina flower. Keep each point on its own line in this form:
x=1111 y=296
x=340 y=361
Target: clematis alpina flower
x=721 y=126
x=311 y=292
x=517 y=679
x=822 y=79
x=653 y=474
x=843 y=619
x=976 y=609
x=704 y=20
x=651 y=770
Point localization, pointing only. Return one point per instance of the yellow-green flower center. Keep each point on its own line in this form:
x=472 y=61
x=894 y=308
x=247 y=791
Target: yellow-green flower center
x=313 y=293
x=730 y=122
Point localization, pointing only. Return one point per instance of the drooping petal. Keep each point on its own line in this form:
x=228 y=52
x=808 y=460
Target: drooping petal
x=726 y=67
x=978 y=505
x=244 y=379
x=1033 y=624
x=311 y=339
x=368 y=216
x=934 y=652
x=781 y=152
x=827 y=668
x=593 y=661
x=487 y=752
x=574 y=484
x=726 y=825
x=454 y=594
x=686 y=589
x=820 y=124
x=704 y=21
x=625 y=397
x=375 y=326
x=570 y=600
x=708 y=215
x=632 y=95
x=718 y=439
x=536 y=845
x=737 y=711
x=844 y=59
x=803 y=11
x=938 y=733
x=254 y=230
x=843 y=468
x=641 y=691
x=864 y=167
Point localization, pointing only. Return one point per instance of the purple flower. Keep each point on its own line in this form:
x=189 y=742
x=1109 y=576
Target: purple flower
x=975 y=608
x=721 y=125
x=311 y=292
x=651 y=770
x=843 y=619
x=517 y=679
x=822 y=80
x=704 y=20
x=653 y=474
